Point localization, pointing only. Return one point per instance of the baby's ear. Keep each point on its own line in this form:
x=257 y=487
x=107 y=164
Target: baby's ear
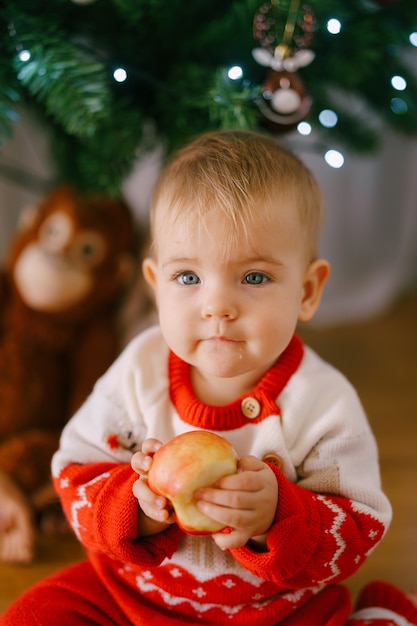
x=314 y=280
x=149 y=271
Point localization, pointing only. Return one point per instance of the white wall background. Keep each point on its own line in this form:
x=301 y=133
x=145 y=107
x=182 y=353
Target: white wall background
x=370 y=228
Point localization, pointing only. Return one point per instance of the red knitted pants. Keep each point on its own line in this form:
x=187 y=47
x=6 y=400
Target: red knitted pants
x=72 y=597
x=76 y=597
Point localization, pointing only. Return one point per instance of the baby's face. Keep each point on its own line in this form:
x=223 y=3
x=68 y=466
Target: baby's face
x=229 y=307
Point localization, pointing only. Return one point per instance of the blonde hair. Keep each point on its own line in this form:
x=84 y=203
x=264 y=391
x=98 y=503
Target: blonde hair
x=244 y=175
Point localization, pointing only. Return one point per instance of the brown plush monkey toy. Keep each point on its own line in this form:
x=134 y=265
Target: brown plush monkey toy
x=67 y=268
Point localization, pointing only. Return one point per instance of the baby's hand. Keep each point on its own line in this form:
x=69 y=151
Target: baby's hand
x=246 y=502
x=157 y=511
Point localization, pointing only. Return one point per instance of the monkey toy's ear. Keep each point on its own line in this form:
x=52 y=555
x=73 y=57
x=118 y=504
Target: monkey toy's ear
x=126 y=269
x=27 y=218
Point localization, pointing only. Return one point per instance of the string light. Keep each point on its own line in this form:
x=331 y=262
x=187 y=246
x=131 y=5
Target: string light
x=398 y=106
x=399 y=83
x=413 y=39
x=304 y=128
x=328 y=118
x=235 y=72
x=120 y=75
x=334 y=158
x=334 y=26
x=24 y=56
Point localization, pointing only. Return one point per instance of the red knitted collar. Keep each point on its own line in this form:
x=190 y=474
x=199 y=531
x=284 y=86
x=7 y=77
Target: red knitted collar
x=230 y=416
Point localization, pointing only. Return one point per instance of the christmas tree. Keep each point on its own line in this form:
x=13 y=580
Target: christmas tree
x=111 y=77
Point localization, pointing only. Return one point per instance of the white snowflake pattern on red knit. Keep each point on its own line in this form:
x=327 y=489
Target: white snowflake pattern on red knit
x=229 y=584
x=148 y=588
x=175 y=572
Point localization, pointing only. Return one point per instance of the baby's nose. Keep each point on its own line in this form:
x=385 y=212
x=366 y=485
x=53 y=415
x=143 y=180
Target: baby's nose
x=219 y=305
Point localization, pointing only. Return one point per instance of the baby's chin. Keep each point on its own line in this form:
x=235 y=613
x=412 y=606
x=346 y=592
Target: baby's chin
x=238 y=373
x=222 y=354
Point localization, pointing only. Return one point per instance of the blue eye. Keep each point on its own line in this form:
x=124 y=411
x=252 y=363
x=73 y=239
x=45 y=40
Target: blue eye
x=188 y=278
x=254 y=278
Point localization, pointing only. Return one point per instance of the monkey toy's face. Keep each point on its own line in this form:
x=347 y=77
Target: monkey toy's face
x=66 y=258
x=55 y=271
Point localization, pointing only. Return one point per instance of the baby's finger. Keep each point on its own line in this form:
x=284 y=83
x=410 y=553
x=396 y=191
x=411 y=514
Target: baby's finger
x=141 y=463
x=228 y=499
x=233 y=517
x=150 y=503
x=150 y=446
x=231 y=539
x=144 y=494
x=250 y=463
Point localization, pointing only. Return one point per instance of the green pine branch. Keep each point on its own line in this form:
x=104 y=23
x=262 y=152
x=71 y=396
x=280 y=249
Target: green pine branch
x=176 y=55
x=9 y=98
x=69 y=82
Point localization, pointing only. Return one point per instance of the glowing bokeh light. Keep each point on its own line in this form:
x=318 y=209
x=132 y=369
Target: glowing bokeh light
x=120 y=75
x=399 y=83
x=334 y=26
x=328 y=118
x=398 y=106
x=24 y=56
x=304 y=128
x=235 y=72
x=334 y=158
x=413 y=39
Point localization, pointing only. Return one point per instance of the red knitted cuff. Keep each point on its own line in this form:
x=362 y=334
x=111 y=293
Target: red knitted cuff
x=383 y=595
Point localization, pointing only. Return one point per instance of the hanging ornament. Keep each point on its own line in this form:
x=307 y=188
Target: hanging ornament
x=284 y=101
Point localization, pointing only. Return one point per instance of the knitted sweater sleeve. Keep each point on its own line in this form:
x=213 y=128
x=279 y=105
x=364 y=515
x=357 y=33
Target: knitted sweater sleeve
x=315 y=539
x=98 y=501
x=92 y=472
x=331 y=510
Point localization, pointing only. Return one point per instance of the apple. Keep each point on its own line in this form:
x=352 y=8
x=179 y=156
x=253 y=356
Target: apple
x=184 y=464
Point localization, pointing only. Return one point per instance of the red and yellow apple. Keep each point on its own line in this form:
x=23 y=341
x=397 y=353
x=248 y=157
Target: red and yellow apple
x=185 y=464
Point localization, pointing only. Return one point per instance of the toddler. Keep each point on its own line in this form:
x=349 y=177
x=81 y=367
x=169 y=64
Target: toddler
x=234 y=267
